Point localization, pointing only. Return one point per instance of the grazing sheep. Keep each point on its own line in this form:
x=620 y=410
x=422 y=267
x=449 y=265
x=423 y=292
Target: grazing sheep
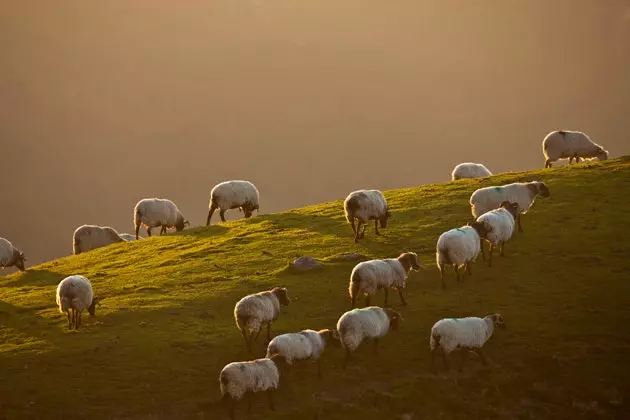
x=10 y=256
x=233 y=195
x=260 y=308
x=522 y=193
x=89 y=237
x=499 y=224
x=459 y=247
x=368 y=277
x=562 y=144
x=470 y=170
x=238 y=379
x=156 y=212
x=128 y=237
x=303 y=345
x=372 y=322
x=74 y=294
x=469 y=333
x=366 y=205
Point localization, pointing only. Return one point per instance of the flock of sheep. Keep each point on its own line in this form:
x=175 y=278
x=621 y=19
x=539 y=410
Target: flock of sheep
x=497 y=212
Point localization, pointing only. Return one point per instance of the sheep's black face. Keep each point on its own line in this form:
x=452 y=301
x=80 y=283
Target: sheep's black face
x=511 y=207
x=92 y=307
x=281 y=293
x=19 y=262
x=334 y=339
x=383 y=220
x=248 y=213
x=602 y=154
x=498 y=321
x=543 y=190
x=414 y=261
x=481 y=229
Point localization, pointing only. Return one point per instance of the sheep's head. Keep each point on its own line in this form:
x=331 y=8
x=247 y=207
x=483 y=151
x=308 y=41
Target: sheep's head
x=409 y=260
x=395 y=318
x=181 y=223
x=248 y=212
x=511 y=207
x=601 y=154
x=497 y=320
x=543 y=190
x=281 y=294
x=278 y=359
x=384 y=218
x=92 y=307
x=331 y=336
x=19 y=260
x=482 y=229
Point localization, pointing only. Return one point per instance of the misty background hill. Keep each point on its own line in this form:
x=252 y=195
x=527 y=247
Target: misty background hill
x=102 y=104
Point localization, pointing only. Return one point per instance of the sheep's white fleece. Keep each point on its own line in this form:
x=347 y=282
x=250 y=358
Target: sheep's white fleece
x=458 y=246
x=252 y=310
x=559 y=145
x=500 y=223
x=259 y=375
x=8 y=253
x=74 y=292
x=489 y=198
x=154 y=212
x=234 y=194
x=371 y=205
x=470 y=332
x=89 y=237
x=358 y=324
x=470 y=170
x=375 y=274
x=306 y=344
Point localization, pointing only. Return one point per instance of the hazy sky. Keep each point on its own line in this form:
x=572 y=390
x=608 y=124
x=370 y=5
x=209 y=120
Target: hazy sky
x=105 y=103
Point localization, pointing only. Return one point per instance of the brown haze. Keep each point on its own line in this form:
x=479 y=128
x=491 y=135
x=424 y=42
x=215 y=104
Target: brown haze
x=104 y=103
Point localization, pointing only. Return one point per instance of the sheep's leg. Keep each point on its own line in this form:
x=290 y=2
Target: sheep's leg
x=257 y=334
x=354 y=228
x=268 y=331
x=69 y=319
x=502 y=247
x=577 y=159
x=483 y=254
x=367 y=300
x=490 y=259
x=548 y=163
x=363 y=231
x=376 y=228
x=445 y=361
x=376 y=346
x=570 y=160
x=357 y=232
x=244 y=332
x=456 y=268
x=402 y=298
x=386 y=296
x=468 y=269
x=441 y=269
x=482 y=355
x=520 y=227
x=149 y=230
x=222 y=214
x=272 y=406
x=163 y=230
x=137 y=230
x=77 y=321
x=464 y=357
x=213 y=207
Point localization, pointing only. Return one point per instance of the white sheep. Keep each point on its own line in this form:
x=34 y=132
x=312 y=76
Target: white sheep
x=89 y=237
x=562 y=144
x=522 y=193
x=260 y=308
x=128 y=237
x=366 y=205
x=368 y=277
x=238 y=379
x=466 y=334
x=303 y=345
x=357 y=325
x=156 y=212
x=234 y=194
x=459 y=247
x=10 y=256
x=74 y=294
x=499 y=226
x=470 y=170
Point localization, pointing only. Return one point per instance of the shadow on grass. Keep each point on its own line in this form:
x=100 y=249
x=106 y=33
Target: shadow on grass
x=35 y=277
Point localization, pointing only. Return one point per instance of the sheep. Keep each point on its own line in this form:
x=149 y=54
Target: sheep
x=89 y=237
x=372 y=322
x=128 y=237
x=470 y=170
x=260 y=308
x=74 y=294
x=303 y=345
x=522 y=193
x=238 y=379
x=10 y=256
x=459 y=247
x=366 y=205
x=467 y=334
x=233 y=195
x=368 y=277
x=562 y=144
x=499 y=225
x=156 y=212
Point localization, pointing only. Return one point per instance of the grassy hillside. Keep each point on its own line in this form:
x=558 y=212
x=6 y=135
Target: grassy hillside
x=165 y=328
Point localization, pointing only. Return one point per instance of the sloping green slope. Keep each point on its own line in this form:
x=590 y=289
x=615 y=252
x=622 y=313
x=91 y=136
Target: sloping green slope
x=165 y=328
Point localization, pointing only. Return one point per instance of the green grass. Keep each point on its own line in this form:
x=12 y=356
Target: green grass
x=165 y=328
